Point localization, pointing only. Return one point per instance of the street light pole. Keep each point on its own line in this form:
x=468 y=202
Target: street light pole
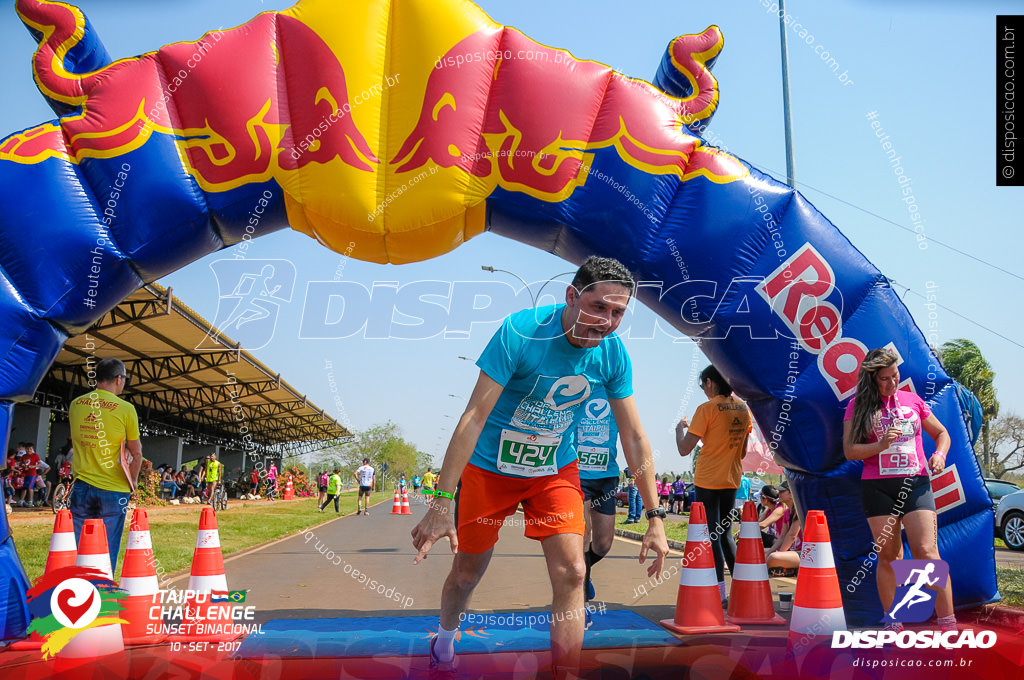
x=787 y=119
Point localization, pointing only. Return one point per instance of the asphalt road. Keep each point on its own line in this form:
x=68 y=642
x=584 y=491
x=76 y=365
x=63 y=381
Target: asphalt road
x=362 y=566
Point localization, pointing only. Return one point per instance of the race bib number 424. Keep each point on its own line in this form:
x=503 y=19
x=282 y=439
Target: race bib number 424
x=527 y=455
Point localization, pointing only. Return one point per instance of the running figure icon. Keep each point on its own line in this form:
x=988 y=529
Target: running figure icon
x=915 y=594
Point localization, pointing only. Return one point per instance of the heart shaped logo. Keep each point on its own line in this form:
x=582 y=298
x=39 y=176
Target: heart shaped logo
x=75 y=603
x=74 y=612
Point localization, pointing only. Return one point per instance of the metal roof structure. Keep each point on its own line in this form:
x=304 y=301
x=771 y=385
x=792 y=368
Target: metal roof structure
x=186 y=379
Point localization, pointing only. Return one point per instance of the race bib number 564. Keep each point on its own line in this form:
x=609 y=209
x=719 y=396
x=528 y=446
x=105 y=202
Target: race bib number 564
x=527 y=455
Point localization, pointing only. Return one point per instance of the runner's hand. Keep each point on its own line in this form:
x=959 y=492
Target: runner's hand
x=654 y=540
x=437 y=524
x=891 y=435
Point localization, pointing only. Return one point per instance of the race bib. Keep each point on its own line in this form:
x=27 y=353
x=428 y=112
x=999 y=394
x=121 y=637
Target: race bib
x=527 y=455
x=593 y=458
x=900 y=459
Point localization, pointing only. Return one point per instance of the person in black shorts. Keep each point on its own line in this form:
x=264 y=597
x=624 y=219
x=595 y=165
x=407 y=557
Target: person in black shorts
x=366 y=477
x=882 y=427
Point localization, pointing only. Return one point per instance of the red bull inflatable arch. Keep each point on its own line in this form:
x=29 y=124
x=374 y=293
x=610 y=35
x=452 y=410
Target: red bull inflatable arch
x=396 y=144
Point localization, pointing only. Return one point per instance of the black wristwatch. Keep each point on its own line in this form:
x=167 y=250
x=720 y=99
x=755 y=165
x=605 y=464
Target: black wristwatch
x=656 y=512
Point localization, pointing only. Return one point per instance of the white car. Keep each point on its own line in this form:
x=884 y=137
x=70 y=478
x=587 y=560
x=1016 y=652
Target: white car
x=1010 y=520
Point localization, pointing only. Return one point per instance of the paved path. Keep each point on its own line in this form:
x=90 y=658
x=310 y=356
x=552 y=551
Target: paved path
x=292 y=579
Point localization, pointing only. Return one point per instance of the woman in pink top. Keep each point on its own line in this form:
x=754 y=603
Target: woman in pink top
x=882 y=427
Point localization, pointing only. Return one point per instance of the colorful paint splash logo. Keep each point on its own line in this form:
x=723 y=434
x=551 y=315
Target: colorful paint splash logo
x=68 y=601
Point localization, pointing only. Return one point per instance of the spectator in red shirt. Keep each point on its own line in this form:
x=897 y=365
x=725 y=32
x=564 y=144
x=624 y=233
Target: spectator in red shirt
x=29 y=465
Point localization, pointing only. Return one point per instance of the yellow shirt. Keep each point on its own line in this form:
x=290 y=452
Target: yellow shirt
x=428 y=479
x=101 y=423
x=722 y=424
x=213 y=470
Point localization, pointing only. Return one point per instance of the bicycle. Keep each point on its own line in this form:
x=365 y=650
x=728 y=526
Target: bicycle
x=219 y=498
x=62 y=496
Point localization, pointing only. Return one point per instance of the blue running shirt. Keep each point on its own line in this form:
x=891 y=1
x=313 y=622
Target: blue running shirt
x=531 y=430
x=596 y=438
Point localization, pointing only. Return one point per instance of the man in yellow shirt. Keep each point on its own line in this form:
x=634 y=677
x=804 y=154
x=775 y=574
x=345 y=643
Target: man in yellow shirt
x=428 y=480
x=213 y=474
x=108 y=453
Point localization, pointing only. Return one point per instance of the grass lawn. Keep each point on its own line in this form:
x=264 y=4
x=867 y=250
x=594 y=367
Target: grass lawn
x=674 y=530
x=1011 y=585
x=173 y=528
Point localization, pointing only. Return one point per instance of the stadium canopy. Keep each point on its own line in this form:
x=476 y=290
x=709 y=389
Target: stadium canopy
x=187 y=380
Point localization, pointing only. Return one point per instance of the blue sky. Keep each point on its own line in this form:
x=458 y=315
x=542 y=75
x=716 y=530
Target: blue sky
x=926 y=70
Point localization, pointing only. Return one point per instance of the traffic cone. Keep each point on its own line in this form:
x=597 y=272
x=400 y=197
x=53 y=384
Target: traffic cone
x=93 y=553
x=206 y=618
x=63 y=553
x=406 y=508
x=396 y=508
x=138 y=578
x=750 y=598
x=817 y=604
x=698 y=604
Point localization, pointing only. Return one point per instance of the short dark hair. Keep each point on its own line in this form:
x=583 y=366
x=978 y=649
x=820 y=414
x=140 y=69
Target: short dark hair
x=602 y=270
x=108 y=369
x=711 y=373
x=366 y=460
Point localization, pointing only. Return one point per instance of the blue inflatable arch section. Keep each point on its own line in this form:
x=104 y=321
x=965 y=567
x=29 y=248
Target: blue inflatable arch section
x=778 y=298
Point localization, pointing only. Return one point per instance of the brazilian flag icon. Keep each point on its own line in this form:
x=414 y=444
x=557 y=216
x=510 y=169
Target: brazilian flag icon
x=237 y=595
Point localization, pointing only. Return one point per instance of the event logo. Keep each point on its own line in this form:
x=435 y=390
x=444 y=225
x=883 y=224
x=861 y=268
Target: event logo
x=915 y=598
x=70 y=600
x=251 y=293
x=597 y=409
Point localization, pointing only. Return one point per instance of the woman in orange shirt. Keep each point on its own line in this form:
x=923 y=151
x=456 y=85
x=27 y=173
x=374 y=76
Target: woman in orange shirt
x=723 y=423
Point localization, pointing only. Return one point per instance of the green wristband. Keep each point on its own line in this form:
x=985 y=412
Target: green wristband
x=444 y=494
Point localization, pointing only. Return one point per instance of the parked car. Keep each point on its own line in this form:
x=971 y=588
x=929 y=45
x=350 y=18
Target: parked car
x=1010 y=520
x=997 y=488
x=622 y=497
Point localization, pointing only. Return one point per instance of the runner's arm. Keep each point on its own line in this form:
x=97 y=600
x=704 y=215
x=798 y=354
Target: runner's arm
x=637 y=450
x=134 y=447
x=438 y=521
x=685 y=442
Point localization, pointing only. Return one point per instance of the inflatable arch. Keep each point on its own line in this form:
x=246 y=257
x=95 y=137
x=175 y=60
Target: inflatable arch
x=393 y=144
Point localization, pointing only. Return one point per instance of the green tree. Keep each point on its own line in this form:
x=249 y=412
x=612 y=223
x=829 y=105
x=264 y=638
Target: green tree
x=388 y=452
x=964 y=362
x=1007 y=444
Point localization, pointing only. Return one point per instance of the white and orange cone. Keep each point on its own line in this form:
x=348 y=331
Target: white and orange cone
x=208 y=620
x=138 y=578
x=396 y=508
x=750 y=598
x=406 y=508
x=94 y=553
x=818 y=603
x=63 y=553
x=699 y=603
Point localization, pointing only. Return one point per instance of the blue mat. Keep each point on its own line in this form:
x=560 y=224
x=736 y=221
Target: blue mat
x=481 y=633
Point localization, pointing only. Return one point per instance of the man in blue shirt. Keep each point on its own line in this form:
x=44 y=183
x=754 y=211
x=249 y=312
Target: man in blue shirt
x=596 y=447
x=515 y=444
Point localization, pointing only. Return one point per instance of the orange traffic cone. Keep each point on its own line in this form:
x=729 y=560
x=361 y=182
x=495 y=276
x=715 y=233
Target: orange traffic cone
x=750 y=598
x=63 y=553
x=817 y=604
x=698 y=604
x=406 y=508
x=94 y=553
x=138 y=578
x=208 y=611
x=396 y=508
